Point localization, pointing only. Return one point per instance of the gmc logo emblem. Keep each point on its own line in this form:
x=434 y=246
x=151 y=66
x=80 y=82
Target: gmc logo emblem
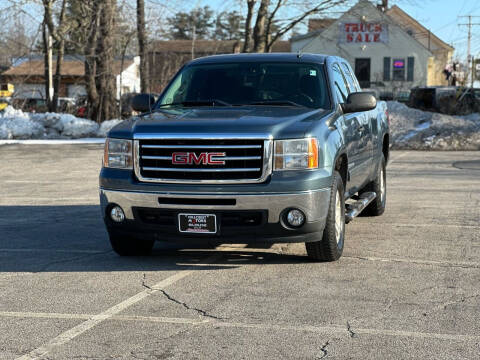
x=190 y=158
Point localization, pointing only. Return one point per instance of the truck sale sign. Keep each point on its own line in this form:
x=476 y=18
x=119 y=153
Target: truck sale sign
x=362 y=33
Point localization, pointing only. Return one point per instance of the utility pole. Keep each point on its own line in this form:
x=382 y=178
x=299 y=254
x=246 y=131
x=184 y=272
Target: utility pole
x=469 y=55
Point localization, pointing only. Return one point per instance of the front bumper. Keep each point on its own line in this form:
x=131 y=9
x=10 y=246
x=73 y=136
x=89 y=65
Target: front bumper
x=313 y=203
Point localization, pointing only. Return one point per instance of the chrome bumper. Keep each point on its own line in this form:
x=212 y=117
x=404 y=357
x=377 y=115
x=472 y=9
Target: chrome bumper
x=313 y=203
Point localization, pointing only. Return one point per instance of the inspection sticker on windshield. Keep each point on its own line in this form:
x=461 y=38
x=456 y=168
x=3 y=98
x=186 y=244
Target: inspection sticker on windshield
x=313 y=72
x=197 y=223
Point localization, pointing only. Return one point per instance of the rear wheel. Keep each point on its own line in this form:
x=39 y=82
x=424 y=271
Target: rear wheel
x=128 y=246
x=379 y=186
x=330 y=247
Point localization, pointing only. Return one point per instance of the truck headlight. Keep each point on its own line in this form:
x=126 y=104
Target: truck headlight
x=118 y=154
x=296 y=154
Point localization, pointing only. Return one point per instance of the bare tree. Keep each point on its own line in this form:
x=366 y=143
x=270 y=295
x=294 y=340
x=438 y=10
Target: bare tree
x=259 y=35
x=270 y=27
x=58 y=33
x=248 y=25
x=92 y=11
x=106 y=81
x=142 y=46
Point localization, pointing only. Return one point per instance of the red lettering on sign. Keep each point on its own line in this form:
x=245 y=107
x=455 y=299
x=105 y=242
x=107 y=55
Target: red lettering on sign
x=349 y=38
x=359 y=38
x=376 y=37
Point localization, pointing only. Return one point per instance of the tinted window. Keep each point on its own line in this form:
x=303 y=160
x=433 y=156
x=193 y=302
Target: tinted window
x=247 y=83
x=339 y=84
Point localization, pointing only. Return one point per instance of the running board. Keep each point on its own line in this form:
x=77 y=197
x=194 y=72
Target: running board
x=353 y=210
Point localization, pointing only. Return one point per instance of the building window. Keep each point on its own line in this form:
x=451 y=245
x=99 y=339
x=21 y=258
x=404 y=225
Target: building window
x=398 y=70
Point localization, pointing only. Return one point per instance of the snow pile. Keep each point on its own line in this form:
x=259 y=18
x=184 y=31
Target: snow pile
x=106 y=126
x=423 y=130
x=15 y=124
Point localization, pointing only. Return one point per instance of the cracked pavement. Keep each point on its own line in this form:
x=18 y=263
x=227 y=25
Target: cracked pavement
x=406 y=288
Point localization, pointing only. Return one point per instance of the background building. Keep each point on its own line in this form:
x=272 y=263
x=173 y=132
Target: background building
x=28 y=77
x=389 y=50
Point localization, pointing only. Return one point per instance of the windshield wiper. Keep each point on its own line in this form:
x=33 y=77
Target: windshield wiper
x=276 y=102
x=209 y=102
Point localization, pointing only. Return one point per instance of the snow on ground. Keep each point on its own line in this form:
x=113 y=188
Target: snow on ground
x=423 y=130
x=15 y=124
x=409 y=128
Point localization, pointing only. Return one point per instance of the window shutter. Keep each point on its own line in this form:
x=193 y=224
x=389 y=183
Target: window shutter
x=386 y=68
x=410 y=68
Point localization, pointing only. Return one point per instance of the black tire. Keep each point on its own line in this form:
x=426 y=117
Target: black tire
x=377 y=206
x=128 y=246
x=330 y=247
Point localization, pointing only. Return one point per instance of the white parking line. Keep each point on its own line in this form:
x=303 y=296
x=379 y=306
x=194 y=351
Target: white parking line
x=416 y=261
x=399 y=156
x=94 y=320
x=61 y=251
x=272 y=327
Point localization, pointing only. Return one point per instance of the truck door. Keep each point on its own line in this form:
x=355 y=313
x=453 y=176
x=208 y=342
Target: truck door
x=357 y=134
x=369 y=126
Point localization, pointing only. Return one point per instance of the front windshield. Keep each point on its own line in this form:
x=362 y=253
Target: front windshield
x=296 y=84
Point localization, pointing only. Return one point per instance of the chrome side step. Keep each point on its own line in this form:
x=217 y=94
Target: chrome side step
x=354 y=209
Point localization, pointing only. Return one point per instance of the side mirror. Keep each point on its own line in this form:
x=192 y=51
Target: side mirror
x=359 y=101
x=143 y=102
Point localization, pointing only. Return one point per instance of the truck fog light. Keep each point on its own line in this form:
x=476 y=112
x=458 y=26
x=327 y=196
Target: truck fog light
x=117 y=214
x=295 y=218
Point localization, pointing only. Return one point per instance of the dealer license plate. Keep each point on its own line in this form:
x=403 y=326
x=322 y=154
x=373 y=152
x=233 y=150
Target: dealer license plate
x=197 y=223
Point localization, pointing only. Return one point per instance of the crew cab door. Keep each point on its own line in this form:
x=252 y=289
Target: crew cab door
x=356 y=130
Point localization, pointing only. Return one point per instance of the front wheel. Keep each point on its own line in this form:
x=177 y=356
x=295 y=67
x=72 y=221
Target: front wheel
x=330 y=247
x=127 y=246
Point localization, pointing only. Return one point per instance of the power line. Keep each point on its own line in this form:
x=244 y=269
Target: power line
x=469 y=56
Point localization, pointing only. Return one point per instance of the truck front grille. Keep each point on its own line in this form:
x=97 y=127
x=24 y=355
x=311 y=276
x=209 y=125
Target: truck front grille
x=185 y=161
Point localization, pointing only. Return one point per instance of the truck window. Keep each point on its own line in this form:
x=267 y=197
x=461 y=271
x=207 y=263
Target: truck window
x=248 y=83
x=339 y=84
x=350 y=81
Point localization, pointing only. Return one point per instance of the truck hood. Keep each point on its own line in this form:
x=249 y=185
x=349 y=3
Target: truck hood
x=278 y=122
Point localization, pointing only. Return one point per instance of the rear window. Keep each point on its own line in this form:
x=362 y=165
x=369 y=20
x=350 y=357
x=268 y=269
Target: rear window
x=247 y=83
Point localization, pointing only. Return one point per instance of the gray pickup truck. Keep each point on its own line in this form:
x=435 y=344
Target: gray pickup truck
x=247 y=148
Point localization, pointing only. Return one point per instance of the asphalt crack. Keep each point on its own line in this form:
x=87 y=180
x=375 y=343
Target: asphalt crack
x=350 y=331
x=185 y=305
x=324 y=350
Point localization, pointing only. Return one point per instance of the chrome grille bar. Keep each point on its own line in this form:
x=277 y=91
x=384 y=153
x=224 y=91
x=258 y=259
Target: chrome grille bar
x=201 y=170
x=201 y=146
x=226 y=158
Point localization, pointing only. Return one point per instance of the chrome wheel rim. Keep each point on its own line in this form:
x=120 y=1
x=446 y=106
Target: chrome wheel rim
x=382 y=186
x=338 y=218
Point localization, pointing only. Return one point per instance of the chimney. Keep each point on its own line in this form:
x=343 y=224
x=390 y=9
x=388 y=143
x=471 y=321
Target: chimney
x=383 y=7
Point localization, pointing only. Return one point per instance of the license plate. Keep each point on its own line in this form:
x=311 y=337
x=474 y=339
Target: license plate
x=197 y=223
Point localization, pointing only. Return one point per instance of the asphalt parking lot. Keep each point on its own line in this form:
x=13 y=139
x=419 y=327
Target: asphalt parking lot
x=408 y=286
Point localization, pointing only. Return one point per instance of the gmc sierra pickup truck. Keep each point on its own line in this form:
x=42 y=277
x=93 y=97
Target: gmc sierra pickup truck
x=247 y=148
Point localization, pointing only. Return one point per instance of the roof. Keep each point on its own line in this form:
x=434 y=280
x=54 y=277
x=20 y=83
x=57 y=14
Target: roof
x=395 y=12
x=258 y=57
x=207 y=46
x=74 y=68
x=319 y=24
x=391 y=19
